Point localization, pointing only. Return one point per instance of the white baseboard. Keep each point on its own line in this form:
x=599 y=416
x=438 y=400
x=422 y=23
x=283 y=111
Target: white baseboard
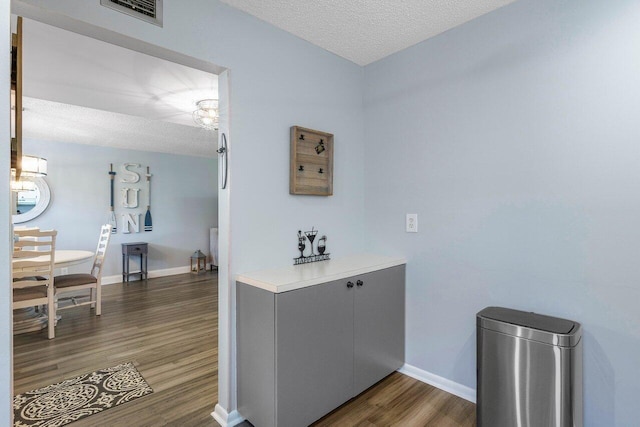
x=467 y=393
x=110 y=280
x=226 y=419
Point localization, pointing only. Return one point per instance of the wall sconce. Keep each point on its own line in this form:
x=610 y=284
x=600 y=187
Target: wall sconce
x=22 y=184
x=34 y=166
x=206 y=114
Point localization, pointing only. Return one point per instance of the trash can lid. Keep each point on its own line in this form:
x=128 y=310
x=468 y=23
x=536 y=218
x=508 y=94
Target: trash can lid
x=537 y=327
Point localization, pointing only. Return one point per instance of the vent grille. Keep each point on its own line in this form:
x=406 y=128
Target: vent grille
x=147 y=10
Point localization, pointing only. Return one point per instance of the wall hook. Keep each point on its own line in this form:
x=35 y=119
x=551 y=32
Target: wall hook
x=222 y=151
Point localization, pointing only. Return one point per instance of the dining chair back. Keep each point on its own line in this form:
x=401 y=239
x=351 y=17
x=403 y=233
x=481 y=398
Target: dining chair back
x=71 y=283
x=32 y=270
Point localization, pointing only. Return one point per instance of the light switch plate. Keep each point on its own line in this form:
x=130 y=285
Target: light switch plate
x=412 y=223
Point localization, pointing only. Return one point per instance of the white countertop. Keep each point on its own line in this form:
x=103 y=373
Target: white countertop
x=300 y=276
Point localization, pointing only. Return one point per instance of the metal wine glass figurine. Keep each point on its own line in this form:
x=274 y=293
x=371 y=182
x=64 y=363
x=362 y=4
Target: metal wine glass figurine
x=322 y=245
x=301 y=244
x=311 y=235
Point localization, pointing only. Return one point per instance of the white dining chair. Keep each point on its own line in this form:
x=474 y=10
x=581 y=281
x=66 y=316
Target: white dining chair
x=32 y=270
x=71 y=283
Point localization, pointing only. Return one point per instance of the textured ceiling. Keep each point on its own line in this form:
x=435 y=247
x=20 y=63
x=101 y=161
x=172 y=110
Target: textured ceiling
x=364 y=31
x=87 y=91
x=53 y=121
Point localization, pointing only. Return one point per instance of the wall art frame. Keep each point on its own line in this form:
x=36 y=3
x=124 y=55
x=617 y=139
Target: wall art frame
x=311 y=163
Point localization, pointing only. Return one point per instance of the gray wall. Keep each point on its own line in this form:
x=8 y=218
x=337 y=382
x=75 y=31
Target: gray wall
x=516 y=138
x=184 y=201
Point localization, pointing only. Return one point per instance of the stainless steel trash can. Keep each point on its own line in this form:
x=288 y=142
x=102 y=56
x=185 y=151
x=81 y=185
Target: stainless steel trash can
x=529 y=370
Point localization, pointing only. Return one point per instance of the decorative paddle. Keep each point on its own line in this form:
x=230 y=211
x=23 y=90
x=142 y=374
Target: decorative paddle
x=148 y=225
x=112 y=214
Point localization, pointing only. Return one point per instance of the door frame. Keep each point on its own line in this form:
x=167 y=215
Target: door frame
x=226 y=397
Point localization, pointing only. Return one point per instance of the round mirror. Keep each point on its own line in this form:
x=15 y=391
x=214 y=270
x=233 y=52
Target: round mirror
x=29 y=204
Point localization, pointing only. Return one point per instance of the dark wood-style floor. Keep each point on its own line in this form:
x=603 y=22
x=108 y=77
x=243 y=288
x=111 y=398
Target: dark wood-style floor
x=402 y=401
x=168 y=328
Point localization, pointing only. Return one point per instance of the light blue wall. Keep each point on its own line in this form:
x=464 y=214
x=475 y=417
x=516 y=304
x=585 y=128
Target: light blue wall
x=184 y=201
x=516 y=138
x=276 y=81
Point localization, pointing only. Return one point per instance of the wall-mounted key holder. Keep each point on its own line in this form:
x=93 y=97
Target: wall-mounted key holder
x=311 y=169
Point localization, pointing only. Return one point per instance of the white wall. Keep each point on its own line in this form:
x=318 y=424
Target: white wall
x=516 y=139
x=184 y=201
x=277 y=81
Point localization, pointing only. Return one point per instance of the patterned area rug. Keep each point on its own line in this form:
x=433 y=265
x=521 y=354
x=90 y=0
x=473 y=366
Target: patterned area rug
x=62 y=403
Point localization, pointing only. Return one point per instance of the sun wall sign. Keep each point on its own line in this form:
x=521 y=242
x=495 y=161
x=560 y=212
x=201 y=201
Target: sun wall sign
x=132 y=190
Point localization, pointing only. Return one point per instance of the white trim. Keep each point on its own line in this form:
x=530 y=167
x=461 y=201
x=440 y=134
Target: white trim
x=110 y=280
x=226 y=419
x=467 y=393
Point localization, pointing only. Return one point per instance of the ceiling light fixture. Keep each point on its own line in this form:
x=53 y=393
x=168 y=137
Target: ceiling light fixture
x=206 y=114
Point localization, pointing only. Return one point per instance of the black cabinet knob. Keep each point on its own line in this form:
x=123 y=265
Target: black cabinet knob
x=349 y=284
x=359 y=283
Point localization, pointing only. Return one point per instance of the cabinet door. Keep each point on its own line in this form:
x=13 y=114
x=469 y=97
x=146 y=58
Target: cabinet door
x=379 y=326
x=314 y=352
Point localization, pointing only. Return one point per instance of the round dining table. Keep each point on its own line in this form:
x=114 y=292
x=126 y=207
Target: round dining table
x=65 y=257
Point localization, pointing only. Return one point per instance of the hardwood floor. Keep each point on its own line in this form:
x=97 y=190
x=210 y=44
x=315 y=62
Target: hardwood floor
x=168 y=327
x=399 y=400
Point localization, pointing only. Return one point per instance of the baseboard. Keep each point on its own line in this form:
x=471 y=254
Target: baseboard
x=226 y=419
x=110 y=280
x=467 y=393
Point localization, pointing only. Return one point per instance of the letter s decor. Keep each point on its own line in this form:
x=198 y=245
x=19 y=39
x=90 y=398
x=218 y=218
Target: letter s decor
x=130 y=176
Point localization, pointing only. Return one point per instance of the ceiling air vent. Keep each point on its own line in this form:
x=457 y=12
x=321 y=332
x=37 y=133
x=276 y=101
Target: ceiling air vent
x=147 y=10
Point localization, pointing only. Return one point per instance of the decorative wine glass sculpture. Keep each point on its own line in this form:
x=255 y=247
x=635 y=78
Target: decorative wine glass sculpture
x=311 y=235
x=301 y=244
x=322 y=245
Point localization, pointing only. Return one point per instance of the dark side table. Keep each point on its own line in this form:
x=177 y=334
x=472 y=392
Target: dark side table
x=131 y=249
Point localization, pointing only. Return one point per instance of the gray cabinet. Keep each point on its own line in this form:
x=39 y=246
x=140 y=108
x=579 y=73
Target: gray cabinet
x=304 y=352
x=378 y=326
x=314 y=352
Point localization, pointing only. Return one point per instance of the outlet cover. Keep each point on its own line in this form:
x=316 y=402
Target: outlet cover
x=412 y=223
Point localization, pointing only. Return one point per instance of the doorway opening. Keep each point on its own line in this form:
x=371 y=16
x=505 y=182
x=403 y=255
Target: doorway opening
x=168 y=323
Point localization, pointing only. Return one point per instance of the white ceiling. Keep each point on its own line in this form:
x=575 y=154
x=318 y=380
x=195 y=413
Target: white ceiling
x=83 y=90
x=364 y=31
x=53 y=121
